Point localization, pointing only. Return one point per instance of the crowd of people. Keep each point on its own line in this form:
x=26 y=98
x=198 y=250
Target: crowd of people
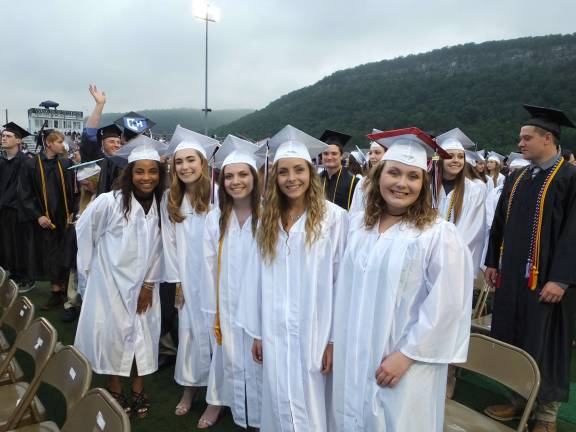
x=309 y=297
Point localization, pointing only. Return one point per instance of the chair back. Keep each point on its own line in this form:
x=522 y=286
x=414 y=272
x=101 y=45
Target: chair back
x=8 y=292
x=16 y=319
x=97 y=412
x=506 y=364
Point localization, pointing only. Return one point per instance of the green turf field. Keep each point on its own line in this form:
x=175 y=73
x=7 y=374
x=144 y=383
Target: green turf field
x=165 y=393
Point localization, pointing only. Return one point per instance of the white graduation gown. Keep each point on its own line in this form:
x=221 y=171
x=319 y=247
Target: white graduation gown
x=115 y=256
x=499 y=182
x=403 y=290
x=289 y=305
x=183 y=262
x=359 y=197
x=235 y=380
x=491 y=203
x=472 y=221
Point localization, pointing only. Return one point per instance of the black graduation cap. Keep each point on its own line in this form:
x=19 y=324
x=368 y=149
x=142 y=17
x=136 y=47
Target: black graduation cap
x=548 y=119
x=134 y=124
x=109 y=131
x=333 y=137
x=16 y=130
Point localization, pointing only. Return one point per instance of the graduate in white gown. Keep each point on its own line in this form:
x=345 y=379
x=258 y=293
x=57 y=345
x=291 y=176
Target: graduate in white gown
x=403 y=301
x=375 y=155
x=287 y=301
x=461 y=201
x=119 y=256
x=185 y=206
x=493 y=166
x=235 y=380
x=472 y=160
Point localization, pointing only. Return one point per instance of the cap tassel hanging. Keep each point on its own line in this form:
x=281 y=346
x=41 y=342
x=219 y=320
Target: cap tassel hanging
x=212 y=176
x=266 y=170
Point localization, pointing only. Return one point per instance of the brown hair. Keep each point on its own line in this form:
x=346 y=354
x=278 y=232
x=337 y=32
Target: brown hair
x=53 y=136
x=459 y=183
x=420 y=214
x=276 y=207
x=226 y=202
x=471 y=173
x=200 y=198
x=494 y=175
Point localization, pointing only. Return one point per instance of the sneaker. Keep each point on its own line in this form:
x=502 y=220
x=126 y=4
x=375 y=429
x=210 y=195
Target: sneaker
x=70 y=315
x=56 y=299
x=26 y=287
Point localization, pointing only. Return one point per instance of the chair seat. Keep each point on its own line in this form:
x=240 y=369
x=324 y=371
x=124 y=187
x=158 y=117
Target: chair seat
x=483 y=324
x=39 y=427
x=460 y=418
x=10 y=394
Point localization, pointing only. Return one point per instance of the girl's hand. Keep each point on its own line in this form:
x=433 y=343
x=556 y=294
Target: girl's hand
x=144 y=300
x=257 y=351
x=392 y=369
x=327 y=359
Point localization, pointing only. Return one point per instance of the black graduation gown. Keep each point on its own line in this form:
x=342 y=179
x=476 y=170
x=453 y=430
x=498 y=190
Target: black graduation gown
x=339 y=190
x=12 y=231
x=542 y=329
x=108 y=175
x=45 y=247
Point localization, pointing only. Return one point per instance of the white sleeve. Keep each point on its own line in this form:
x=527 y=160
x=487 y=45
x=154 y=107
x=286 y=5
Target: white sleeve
x=249 y=314
x=154 y=273
x=210 y=263
x=442 y=331
x=170 y=248
x=338 y=234
x=358 y=197
x=89 y=228
x=472 y=223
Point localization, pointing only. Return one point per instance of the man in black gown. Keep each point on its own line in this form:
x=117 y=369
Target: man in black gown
x=534 y=310
x=45 y=191
x=338 y=183
x=12 y=230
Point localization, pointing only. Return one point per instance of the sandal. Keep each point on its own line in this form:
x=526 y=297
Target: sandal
x=140 y=404
x=182 y=408
x=121 y=399
x=205 y=423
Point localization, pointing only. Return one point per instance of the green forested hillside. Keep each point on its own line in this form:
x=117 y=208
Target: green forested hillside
x=167 y=119
x=477 y=87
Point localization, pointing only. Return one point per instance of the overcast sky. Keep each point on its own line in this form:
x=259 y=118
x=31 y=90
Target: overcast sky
x=150 y=53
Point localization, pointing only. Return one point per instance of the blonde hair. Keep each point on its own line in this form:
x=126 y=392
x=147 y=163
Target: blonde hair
x=420 y=214
x=86 y=196
x=459 y=186
x=495 y=174
x=200 y=199
x=275 y=209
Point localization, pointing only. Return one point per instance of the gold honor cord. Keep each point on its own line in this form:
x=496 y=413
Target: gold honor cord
x=45 y=194
x=350 y=191
x=451 y=206
x=335 y=187
x=217 y=328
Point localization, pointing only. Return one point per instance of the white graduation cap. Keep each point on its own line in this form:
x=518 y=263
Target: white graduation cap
x=141 y=148
x=86 y=170
x=186 y=139
x=480 y=154
x=293 y=143
x=472 y=157
x=377 y=142
x=496 y=157
x=237 y=150
x=358 y=154
x=454 y=139
x=516 y=160
x=409 y=146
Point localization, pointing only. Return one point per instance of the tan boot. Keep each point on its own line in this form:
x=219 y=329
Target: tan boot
x=503 y=412
x=543 y=426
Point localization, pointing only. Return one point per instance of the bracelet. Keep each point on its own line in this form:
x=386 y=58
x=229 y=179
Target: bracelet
x=148 y=286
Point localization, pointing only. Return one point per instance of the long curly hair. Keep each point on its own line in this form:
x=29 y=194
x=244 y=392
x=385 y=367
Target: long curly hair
x=226 y=202
x=420 y=214
x=126 y=187
x=276 y=208
x=459 y=185
x=200 y=198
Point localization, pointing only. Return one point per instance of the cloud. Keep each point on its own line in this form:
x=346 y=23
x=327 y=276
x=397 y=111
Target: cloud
x=150 y=54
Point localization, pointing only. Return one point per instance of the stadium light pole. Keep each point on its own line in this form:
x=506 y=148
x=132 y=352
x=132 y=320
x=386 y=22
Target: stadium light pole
x=207 y=12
